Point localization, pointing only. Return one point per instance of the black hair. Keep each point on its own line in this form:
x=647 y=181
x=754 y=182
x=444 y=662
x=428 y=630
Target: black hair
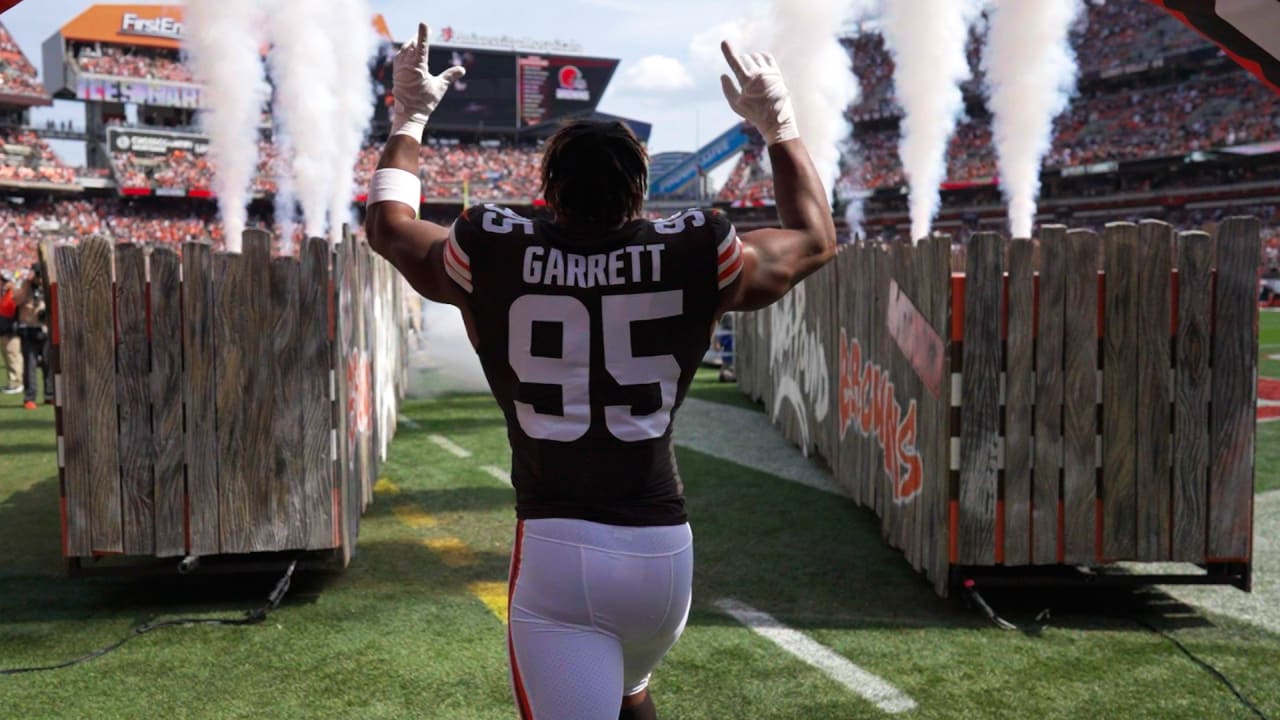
x=595 y=174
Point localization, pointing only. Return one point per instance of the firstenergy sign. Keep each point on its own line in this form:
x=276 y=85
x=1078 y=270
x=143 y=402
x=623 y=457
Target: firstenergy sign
x=157 y=27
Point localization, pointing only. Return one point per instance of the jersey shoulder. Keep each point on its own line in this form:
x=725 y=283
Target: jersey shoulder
x=706 y=224
x=480 y=222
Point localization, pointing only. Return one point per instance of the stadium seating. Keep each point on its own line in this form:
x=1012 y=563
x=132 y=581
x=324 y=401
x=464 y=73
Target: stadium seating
x=132 y=62
x=17 y=74
x=26 y=158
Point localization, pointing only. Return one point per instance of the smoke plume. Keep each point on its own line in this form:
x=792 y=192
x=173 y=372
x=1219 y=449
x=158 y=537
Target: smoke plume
x=285 y=203
x=353 y=42
x=223 y=41
x=304 y=69
x=1031 y=73
x=818 y=73
x=928 y=39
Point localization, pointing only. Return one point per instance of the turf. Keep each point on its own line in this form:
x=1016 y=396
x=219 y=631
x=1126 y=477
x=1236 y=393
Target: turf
x=403 y=634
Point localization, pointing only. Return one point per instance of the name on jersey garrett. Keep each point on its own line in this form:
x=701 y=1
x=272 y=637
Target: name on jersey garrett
x=627 y=265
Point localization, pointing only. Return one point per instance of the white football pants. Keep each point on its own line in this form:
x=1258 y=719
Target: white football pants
x=593 y=609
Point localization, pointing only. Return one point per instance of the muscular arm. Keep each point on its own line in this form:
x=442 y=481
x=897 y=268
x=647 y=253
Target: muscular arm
x=775 y=260
x=415 y=247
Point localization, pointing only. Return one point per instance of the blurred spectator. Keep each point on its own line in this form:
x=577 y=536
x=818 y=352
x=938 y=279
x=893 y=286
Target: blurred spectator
x=26 y=158
x=17 y=74
x=131 y=62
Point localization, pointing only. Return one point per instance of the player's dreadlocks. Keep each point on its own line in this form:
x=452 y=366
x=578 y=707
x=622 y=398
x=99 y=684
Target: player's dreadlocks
x=595 y=174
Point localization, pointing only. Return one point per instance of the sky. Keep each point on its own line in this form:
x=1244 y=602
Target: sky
x=669 y=75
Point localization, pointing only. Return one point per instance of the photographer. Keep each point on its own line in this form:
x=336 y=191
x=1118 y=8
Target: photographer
x=10 y=345
x=34 y=336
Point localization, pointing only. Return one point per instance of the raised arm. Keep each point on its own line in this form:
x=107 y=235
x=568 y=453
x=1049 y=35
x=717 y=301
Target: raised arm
x=775 y=260
x=415 y=247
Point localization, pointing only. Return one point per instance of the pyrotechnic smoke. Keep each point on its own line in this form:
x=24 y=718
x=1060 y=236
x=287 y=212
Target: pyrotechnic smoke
x=304 y=68
x=223 y=40
x=818 y=72
x=449 y=354
x=286 y=202
x=1031 y=72
x=928 y=39
x=353 y=44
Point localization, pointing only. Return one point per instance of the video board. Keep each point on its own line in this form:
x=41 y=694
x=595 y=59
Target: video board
x=502 y=89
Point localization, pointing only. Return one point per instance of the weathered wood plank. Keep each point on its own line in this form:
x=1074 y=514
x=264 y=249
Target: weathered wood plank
x=199 y=382
x=1119 y=394
x=1019 y=401
x=315 y=369
x=133 y=398
x=73 y=399
x=264 y=533
x=235 y=513
x=96 y=301
x=343 y=349
x=980 y=409
x=287 y=486
x=166 y=402
x=1191 y=398
x=939 y=460
x=1235 y=355
x=1152 y=469
x=1080 y=399
x=1047 y=468
x=926 y=407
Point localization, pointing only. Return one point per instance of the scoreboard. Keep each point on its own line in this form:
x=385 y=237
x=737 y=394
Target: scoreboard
x=503 y=89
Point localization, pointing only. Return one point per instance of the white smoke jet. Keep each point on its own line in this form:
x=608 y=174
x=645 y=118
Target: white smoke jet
x=819 y=75
x=304 y=68
x=927 y=39
x=353 y=41
x=1031 y=73
x=223 y=40
x=285 y=201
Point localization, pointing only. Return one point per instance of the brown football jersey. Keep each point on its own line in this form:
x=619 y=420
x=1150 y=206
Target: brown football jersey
x=589 y=344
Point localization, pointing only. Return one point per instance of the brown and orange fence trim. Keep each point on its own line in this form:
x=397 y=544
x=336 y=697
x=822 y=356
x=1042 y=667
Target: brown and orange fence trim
x=1066 y=401
x=215 y=403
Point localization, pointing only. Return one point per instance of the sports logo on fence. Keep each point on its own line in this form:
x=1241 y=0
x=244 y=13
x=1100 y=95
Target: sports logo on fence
x=798 y=361
x=869 y=405
x=359 y=399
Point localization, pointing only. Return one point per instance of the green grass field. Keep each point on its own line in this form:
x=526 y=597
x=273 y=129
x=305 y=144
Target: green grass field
x=413 y=628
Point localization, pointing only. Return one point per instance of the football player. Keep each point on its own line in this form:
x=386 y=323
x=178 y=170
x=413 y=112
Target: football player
x=589 y=326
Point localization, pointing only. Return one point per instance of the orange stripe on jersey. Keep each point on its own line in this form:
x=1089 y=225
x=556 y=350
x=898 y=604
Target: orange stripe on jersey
x=456 y=253
x=522 y=698
x=731 y=270
x=728 y=252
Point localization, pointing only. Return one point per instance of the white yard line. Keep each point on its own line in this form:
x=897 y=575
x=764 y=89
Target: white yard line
x=871 y=687
x=747 y=438
x=498 y=473
x=449 y=445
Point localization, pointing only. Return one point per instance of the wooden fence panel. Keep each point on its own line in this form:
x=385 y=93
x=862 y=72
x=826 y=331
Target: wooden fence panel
x=73 y=398
x=100 y=411
x=1191 y=393
x=846 y=436
x=1235 y=356
x=256 y=404
x=1080 y=400
x=1119 y=394
x=286 y=482
x=1047 y=464
x=979 y=403
x=316 y=369
x=133 y=400
x=1019 y=401
x=1152 y=470
x=199 y=388
x=937 y=447
x=235 y=514
x=166 y=402
x=879 y=282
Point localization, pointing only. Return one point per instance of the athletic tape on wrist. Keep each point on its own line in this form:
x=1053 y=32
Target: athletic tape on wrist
x=396 y=185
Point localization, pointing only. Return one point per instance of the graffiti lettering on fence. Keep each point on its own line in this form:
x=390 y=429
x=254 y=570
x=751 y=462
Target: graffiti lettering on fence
x=869 y=406
x=798 y=362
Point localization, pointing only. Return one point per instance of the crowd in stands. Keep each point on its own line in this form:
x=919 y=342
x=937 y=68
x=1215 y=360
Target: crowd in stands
x=1109 y=38
x=17 y=74
x=482 y=173
x=1206 y=113
x=26 y=158
x=132 y=62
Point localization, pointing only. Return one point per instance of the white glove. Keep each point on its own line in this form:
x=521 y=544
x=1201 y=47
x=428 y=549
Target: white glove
x=417 y=92
x=764 y=100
